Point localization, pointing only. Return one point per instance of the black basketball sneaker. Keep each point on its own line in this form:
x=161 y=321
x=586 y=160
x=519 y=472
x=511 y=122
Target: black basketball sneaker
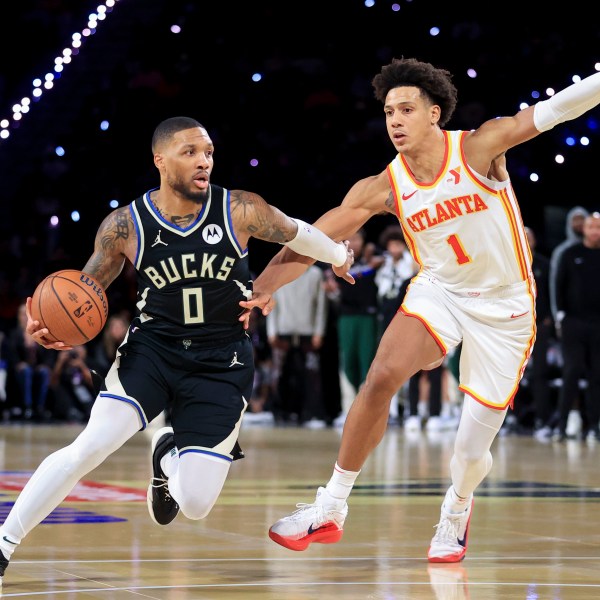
x=162 y=508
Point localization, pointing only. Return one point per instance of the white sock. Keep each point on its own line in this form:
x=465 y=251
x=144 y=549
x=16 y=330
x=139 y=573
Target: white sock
x=167 y=460
x=457 y=503
x=341 y=483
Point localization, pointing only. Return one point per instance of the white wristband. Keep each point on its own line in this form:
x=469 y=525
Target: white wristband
x=567 y=104
x=311 y=241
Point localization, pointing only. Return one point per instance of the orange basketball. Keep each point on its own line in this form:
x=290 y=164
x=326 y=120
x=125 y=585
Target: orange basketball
x=72 y=305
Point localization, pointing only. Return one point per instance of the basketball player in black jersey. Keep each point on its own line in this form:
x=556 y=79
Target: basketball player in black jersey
x=186 y=349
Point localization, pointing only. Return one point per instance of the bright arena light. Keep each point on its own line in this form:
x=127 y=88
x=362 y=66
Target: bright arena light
x=42 y=84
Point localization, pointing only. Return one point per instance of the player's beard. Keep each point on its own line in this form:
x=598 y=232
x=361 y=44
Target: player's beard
x=192 y=194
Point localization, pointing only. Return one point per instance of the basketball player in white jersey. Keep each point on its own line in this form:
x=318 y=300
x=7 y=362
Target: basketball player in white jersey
x=186 y=350
x=453 y=197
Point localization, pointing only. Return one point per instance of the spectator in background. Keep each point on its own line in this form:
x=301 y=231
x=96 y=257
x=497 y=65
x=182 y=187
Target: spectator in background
x=31 y=365
x=263 y=389
x=9 y=300
x=573 y=235
x=398 y=266
x=295 y=330
x=3 y=370
x=538 y=367
x=358 y=329
x=424 y=389
x=103 y=350
x=578 y=324
x=72 y=386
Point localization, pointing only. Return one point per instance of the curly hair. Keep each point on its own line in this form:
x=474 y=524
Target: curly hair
x=435 y=84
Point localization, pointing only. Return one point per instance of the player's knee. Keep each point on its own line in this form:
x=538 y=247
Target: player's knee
x=196 y=508
x=469 y=454
x=77 y=459
x=382 y=381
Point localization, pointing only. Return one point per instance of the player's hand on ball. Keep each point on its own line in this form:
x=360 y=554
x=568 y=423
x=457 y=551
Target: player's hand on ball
x=38 y=334
x=343 y=271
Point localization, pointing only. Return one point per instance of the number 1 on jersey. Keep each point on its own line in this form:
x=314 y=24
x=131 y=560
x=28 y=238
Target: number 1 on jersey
x=461 y=256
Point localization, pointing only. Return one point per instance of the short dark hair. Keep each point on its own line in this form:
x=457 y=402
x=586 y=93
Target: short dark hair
x=391 y=232
x=435 y=84
x=166 y=129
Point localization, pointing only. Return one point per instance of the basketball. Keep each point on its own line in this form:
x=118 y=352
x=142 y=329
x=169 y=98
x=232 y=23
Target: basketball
x=72 y=305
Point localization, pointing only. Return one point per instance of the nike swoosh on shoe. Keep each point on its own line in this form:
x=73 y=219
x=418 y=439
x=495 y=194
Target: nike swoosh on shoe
x=311 y=530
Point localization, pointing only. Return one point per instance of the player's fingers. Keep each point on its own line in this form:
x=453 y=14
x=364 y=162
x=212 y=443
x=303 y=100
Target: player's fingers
x=248 y=305
x=245 y=318
x=28 y=308
x=269 y=306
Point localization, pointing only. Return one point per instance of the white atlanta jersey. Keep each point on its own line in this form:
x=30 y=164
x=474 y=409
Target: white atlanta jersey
x=463 y=229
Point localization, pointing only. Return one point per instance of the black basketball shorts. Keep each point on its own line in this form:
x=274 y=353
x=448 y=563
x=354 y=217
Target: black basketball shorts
x=204 y=389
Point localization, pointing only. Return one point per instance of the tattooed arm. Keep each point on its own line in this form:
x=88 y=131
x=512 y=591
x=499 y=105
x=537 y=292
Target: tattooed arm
x=253 y=217
x=116 y=241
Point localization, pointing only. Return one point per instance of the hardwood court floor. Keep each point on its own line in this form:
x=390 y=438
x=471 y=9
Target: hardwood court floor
x=535 y=531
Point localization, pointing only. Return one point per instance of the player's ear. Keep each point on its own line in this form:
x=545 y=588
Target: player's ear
x=158 y=161
x=436 y=113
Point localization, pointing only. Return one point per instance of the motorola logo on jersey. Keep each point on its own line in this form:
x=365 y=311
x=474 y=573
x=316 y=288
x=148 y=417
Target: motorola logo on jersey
x=212 y=234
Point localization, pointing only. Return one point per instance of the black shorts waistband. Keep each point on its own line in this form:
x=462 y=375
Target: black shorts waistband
x=213 y=341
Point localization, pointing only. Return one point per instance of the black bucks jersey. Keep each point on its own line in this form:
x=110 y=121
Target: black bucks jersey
x=190 y=280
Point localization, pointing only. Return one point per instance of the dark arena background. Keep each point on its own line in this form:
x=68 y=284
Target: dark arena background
x=284 y=90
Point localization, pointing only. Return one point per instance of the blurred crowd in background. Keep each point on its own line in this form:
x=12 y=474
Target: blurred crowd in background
x=312 y=127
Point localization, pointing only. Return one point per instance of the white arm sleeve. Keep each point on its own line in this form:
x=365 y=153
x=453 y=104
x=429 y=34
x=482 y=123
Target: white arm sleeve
x=567 y=104
x=311 y=241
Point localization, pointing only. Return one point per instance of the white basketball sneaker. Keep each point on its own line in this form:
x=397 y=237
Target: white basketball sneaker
x=321 y=522
x=449 y=544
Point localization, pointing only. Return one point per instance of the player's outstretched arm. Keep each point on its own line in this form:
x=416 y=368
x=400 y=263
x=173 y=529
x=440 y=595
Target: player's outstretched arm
x=253 y=217
x=498 y=135
x=568 y=104
x=366 y=198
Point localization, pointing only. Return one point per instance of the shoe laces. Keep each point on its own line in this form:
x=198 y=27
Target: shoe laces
x=303 y=508
x=162 y=483
x=448 y=528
